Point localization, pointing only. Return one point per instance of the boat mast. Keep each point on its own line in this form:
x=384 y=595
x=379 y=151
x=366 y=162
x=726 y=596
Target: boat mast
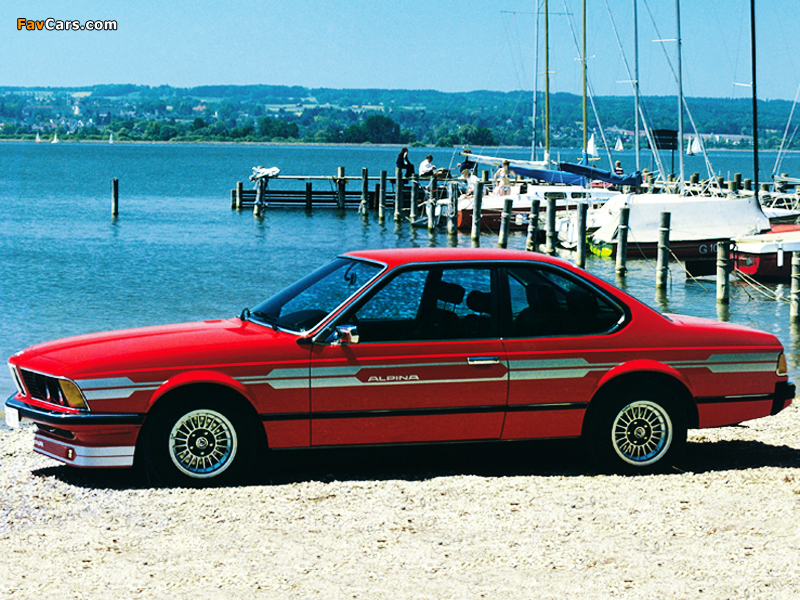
x=535 y=84
x=546 y=84
x=755 y=105
x=636 y=80
x=680 y=97
x=583 y=69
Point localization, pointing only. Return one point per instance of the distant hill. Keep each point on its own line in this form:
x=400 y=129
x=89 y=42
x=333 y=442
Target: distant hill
x=276 y=113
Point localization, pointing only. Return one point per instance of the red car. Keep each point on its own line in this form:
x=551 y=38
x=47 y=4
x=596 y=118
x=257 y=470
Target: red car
x=400 y=346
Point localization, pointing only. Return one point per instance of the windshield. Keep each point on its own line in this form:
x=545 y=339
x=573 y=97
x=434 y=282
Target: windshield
x=303 y=305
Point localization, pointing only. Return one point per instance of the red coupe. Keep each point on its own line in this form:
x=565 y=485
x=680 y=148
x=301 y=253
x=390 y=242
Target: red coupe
x=394 y=347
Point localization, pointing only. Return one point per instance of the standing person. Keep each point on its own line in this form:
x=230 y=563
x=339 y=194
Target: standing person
x=502 y=179
x=468 y=164
x=426 y=167
x=403 y=163
x=618 y=168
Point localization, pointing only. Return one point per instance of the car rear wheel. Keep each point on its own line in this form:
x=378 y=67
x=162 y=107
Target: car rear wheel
x=637 y=433
x=199 y=442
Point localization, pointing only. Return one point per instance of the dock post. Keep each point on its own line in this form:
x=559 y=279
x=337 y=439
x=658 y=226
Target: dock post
x=622 y=242
x=505 y=223
x=452 y=213
x=723 y=272
x=737 y=179
x=309 y=195
x=414 y=197
x=115 y=197
x=550 y=245
x=398 y=193
x=747 y=184
x=794 y=293
x=237 y=200
x=382 y=197
x=475 y=234
x=583 y=210
x=533 y=226
x=363 y=207
x=342 y=183
x=662 y=265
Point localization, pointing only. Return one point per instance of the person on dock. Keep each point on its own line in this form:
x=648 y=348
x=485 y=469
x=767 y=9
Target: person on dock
x=468 y=164
x=403 y=163
x=502 y=179
x=426 y=167
x=471 y=181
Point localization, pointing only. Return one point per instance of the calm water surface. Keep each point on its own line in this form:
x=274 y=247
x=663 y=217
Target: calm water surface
x=177 y=252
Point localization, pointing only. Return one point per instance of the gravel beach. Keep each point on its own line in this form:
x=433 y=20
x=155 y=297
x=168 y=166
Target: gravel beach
x=526 y=520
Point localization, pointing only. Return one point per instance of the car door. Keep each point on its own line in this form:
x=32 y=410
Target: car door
x=428 y=364
x=558 y=335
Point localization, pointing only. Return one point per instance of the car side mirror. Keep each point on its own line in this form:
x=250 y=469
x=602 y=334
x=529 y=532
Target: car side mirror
x=345 y=334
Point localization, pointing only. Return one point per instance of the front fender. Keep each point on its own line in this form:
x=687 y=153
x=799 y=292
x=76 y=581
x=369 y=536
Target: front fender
x=199 y=377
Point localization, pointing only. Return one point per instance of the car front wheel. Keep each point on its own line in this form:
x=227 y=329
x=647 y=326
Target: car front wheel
x=199 y=443
x=636 y=433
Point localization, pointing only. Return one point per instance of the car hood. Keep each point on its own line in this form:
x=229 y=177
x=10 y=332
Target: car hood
x=199 y=344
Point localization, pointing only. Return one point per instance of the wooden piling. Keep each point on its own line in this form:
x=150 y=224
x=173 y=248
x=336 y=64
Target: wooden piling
x=622 y=242
x=342 y=181
x=533 y=226
x=382 y=197
x=550 y=243
x=237 y=199
x=794 y=293
x=115 y=197
x=363 y=207
x=398 y=193
x=583 y=210
x=747 y=184
x=662 y=265
x=723 y=272
x=452 y=213
x=475 y=234
x=505 y=223
x=414 y=197
x=737 y=180
x=309 y=195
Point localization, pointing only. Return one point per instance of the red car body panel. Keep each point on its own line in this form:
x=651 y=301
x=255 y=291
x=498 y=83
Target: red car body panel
x=317 y=394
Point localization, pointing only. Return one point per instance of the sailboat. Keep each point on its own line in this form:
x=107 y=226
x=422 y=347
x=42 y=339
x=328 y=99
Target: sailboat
x=591 y=149
x=110 y=138
x=618 y=146
x=38 y=138
x=55 y=138
x=694 y=146
x=698 y=222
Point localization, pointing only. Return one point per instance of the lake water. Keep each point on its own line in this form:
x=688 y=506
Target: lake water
x=177 y=251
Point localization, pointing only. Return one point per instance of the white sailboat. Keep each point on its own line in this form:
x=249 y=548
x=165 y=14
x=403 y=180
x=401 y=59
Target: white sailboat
x=55 y=139
x=38 y=138
x=618 y=146
x=591 y=149
x=110 y=138
x=694 y=146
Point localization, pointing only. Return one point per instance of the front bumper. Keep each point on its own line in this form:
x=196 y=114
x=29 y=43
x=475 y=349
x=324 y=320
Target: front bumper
x=81 y=439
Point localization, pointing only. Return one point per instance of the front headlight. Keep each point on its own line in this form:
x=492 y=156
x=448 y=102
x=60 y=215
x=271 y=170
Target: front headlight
x=781 y=370
x=72 y=394
x=17 y=380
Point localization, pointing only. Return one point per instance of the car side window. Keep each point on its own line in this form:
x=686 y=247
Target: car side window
x=429 y=304
x=547 y=302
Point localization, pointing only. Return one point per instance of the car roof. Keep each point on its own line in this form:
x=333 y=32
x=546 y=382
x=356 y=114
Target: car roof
x=394 y=257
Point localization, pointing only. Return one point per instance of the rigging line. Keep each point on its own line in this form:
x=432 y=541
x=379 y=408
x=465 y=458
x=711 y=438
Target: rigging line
x=642 y=112
x=779 y=158
x=588 y=86
x=709 y=166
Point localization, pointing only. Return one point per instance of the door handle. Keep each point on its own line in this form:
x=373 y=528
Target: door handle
x=483 y=360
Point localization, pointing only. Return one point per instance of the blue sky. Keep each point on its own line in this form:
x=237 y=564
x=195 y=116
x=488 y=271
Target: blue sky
x=444 y=45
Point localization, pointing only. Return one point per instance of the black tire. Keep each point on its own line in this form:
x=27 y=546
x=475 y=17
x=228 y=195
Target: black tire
x=199 y=441
x=636 y=432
